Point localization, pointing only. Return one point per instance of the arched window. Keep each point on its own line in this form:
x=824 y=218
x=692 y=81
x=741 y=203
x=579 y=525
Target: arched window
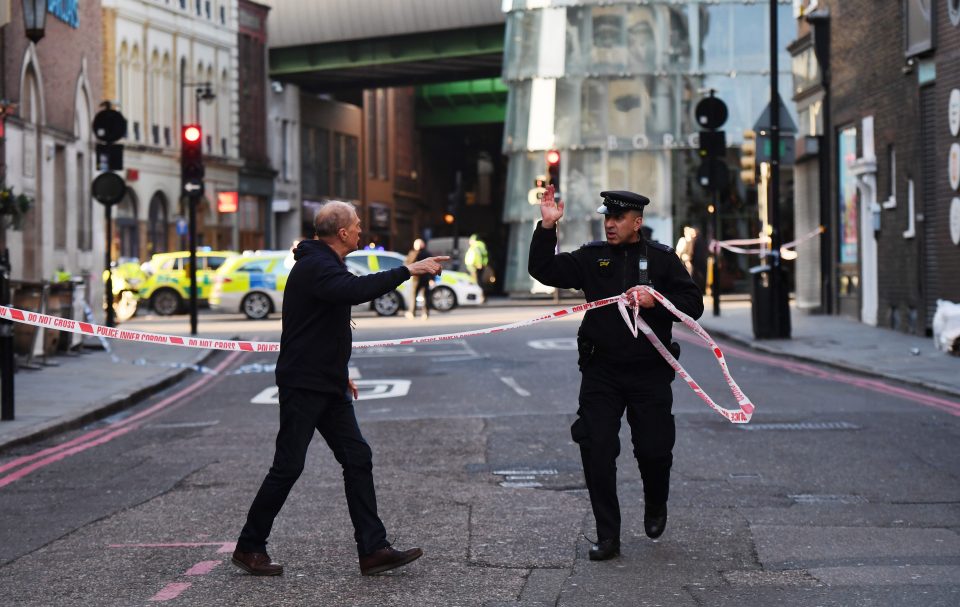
x=84 y=202
x=123 y=76
x=135 y=96
x=126 y=236
x=157 y=224
x=154 y=95
x=223 y=114
x=167 y=89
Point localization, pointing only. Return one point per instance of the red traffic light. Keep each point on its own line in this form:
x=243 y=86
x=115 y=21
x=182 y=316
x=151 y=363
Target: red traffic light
x=191 y=133
x=553 y=157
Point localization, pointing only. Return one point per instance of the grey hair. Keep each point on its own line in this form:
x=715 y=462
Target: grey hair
x=331 y=217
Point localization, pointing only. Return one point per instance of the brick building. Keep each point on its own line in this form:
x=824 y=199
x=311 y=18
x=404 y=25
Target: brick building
x=256 y=175
x=48 y=147
x=872 y=153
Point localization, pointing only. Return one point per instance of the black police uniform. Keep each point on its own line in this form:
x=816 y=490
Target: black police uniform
x=620 y=372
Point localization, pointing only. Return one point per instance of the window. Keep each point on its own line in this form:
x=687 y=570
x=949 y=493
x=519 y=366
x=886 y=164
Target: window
x=84 y=207
x=345 y=161
x=918 y=15
x=259 y=265
x=892 y=176
x=285 y=150
x=214 y=262
x=388 y=263
x=223 y=15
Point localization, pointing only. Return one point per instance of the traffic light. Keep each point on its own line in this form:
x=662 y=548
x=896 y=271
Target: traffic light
x=191 y=159
x=455 y=200
x=553 y=171
x=748 y=158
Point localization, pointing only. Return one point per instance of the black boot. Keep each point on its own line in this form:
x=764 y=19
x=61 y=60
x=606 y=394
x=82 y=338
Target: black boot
x=604 y=550
x=655 y=519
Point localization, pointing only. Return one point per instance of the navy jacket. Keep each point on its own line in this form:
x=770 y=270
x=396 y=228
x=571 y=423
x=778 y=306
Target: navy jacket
x=602 y=270
x=317 y=339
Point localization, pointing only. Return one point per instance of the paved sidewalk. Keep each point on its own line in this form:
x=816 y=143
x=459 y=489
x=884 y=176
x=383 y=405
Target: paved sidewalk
x=90 y=385
x=844 y=343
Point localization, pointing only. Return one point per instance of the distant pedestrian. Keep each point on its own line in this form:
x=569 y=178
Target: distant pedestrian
x=476 y=258
x=620 y=373
x=421 y=284
x=315 y=390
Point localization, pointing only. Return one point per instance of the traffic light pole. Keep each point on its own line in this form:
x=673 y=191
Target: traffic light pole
x=715 y=286
x=107 y=262
x=778 y=294
x=192 y=204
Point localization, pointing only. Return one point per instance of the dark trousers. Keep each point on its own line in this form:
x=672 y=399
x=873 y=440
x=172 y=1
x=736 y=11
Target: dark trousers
x=606 y=390
x=302 y=412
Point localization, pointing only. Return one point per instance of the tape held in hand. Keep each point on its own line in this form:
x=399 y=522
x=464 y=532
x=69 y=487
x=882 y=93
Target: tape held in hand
x=636 y=325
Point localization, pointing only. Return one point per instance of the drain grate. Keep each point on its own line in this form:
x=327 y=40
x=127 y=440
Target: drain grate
x=523 y=478
x=801 y=426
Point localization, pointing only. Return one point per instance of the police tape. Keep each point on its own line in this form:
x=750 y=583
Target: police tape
x=87 y=328
x=786 y=250
x=639 y=325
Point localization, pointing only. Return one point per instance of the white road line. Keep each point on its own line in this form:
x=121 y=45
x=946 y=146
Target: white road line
x=516 y=387
x=355 y=373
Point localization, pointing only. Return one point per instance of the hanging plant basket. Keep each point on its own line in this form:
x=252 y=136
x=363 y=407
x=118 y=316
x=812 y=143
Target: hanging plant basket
x=13 y=207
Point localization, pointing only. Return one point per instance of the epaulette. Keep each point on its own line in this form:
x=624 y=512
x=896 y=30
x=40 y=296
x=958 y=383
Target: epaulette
x=595 y=243
x=660 y=246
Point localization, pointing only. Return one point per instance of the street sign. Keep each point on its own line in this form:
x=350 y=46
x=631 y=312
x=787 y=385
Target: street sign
x=193 y=189
x=108 y=188
x=786 y=122
x=787 y=149
x=109 y=126
x=711 y=113
x=181 y=226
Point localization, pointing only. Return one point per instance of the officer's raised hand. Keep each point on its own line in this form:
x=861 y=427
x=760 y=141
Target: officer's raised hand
x=641 y=297
x=430 y=265
x=551 y=210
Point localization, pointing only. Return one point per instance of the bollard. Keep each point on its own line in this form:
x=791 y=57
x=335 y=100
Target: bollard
x=6 y=343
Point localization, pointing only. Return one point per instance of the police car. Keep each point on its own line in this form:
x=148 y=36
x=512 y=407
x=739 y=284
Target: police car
x=168 y=278
x=252 y=283
x=449 y=290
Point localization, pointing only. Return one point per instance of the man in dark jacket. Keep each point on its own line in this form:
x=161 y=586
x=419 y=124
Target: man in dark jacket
x=315 y=390
x=620 y=372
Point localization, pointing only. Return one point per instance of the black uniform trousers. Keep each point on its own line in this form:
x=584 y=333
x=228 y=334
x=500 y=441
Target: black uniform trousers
x=606 y=390
x=301 y=413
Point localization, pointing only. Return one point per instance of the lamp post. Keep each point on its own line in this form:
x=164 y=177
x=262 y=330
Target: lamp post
x=34 y=18
x=820 y=22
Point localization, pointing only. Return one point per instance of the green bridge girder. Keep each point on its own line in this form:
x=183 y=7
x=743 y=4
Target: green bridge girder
x=392 y=61
x=481 y=101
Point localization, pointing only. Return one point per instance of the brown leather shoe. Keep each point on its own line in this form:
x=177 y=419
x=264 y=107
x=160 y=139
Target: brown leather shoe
x=386 y=559
x=256 y=563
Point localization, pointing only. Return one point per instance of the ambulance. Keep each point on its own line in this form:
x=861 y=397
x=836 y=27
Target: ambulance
x=252 y=283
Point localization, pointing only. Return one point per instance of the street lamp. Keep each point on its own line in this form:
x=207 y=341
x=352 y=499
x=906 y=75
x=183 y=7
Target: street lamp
x=34 y=18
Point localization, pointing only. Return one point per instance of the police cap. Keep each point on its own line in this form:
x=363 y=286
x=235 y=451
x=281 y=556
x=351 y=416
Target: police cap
x=618 y=201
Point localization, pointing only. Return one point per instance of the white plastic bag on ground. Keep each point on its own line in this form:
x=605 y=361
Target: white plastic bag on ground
x=946 y=327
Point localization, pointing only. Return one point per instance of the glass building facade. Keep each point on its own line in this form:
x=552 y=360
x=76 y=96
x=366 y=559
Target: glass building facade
x=613 y=86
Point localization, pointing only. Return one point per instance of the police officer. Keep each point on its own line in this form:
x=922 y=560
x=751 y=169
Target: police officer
x=620 y=372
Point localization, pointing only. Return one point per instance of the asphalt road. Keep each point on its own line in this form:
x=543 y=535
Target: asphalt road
x=839 y=492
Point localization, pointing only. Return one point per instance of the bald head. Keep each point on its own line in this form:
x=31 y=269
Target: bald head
x=333 y=216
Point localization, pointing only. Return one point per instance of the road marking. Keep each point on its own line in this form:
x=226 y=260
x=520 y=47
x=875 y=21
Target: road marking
x=170 y=591
x=103 y=435
x=875 y=385
x=354 y=373
x=557 y=343
x=202 y=568
x=453 y=347
x=516 y=387
x=370 y=389
x=268 y=396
